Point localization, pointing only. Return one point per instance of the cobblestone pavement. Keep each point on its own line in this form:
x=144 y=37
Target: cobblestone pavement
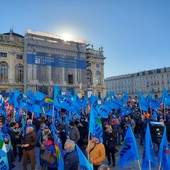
x=130 y=166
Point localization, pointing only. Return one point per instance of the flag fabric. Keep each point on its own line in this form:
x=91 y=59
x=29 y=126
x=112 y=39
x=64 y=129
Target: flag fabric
x=58 y=148
x=125 y=110
x=154 y=104
x=84 y=163
x=115 y=103
x=164 y=153
x=95 y=125
x=2 y=107
x=76 y=100
x=125 y=98
x=102 y=108
x=11 y=98
x=84 y=102
x=3 y=154
x=143 y=103
x=149 y=96
x=148 y=160
x=43 y=104
x=61 y=100
x=129 y=151
x=17 y=97
x=165 y=98
x=154 y=115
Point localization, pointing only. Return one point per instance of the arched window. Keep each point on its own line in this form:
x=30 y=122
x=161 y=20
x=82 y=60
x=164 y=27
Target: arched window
x=19 y=73
x=3 y=71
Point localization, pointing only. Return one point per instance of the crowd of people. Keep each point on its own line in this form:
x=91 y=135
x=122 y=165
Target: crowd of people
x=38 y=133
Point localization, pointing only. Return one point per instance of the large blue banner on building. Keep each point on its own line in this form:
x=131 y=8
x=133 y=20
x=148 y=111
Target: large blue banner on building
x=44 y=59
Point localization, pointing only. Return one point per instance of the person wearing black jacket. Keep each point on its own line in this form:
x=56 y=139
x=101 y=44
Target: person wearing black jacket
x=109 y=141
x=15 y=137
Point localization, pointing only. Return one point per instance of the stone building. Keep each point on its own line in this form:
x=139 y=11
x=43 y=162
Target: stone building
x=95 y=72
x=152 y=80
x=11 y=62
x=49 y=61
x=38 y=61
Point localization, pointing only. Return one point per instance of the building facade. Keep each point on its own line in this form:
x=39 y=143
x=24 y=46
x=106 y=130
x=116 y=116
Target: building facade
x=37 y=61
x=95 y=72
x=49 y=61
x=145 y=81
x=11 y=62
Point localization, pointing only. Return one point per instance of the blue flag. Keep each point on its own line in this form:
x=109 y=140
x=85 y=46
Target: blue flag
x=11 y=98
x=143 y=103
x=164 y=153
x=129 y=151
x=3 y=154
x=102 y=108
x=61 y=100
x=2 y=106
x=125 y=110
x=84 y=102
x=125 y=98
x=95 y=125
x=84 y=163
x=148 y=160
x=17 y=97
x=58 y=148
x=154 y=115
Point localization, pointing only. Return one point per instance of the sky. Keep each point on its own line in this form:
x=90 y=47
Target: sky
x=134 y=34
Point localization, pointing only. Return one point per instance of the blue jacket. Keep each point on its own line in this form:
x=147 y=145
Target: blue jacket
x=50 y=147
x=71 y=161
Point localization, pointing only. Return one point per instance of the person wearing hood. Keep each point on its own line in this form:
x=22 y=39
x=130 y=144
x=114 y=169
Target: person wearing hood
x=42 y=141
x=49 y=145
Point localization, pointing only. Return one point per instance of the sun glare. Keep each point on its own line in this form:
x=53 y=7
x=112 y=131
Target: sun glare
x=66 y=37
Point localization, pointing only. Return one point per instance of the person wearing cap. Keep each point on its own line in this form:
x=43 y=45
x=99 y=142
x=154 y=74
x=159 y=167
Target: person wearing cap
x=29 y=121
x=96 y=151
x=28 y=143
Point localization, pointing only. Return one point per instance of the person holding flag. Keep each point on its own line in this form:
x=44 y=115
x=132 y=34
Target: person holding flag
x=49 y=145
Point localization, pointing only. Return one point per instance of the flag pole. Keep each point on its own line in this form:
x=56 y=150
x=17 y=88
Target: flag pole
x=149 y=165
x=160 y=166
x=139 y=165
x=88 y=146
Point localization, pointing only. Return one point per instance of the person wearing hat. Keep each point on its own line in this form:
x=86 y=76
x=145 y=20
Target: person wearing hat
x=28 y=144
x=96 y=151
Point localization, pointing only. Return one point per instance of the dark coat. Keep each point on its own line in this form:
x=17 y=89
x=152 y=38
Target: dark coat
x=71 y=161
x=50 y=147
x=30 y=139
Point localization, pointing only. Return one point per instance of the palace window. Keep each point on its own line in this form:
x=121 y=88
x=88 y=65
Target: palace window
x=19 y=73
x=3 y=71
